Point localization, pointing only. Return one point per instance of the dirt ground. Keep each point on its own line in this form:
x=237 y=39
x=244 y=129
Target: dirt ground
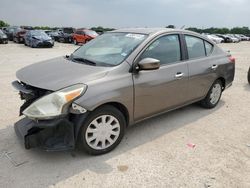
x=153 y=153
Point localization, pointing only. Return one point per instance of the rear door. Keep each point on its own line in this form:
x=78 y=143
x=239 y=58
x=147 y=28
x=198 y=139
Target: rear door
x=165 y=88
x=201 y=65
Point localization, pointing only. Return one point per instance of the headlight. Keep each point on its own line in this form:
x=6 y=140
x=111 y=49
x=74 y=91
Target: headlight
x=54 y=104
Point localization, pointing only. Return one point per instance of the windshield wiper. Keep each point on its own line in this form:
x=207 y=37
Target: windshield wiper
x=86 y=61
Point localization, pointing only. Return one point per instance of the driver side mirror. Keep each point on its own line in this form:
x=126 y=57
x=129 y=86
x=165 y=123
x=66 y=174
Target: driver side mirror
x=149 y=64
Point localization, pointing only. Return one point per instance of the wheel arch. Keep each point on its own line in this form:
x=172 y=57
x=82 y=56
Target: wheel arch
x=122 y=108
x=223 y=81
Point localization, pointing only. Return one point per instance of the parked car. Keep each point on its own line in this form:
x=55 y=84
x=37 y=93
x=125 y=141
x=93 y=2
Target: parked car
x=18 y=35
x=3 y=37
x=116 y=80
x=225 y=38
x=65 y=34
x=37 y=38
x=244 y=38
x=83 y=36
x=215 y=38
x=53 y=34
x=234 y=39
x=248 y=75
x=10 y=32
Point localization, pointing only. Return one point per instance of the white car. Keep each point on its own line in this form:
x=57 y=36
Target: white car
x=215 y=38
x=234 y=39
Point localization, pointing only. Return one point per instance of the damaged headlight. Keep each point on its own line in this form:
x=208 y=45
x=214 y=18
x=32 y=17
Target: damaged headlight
x=54 y=104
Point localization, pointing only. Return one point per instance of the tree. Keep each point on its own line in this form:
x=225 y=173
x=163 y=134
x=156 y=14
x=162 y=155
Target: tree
x=171 y=26
x=3 y=24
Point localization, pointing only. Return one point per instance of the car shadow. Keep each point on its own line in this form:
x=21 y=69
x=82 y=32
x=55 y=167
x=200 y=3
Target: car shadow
x=54 y=167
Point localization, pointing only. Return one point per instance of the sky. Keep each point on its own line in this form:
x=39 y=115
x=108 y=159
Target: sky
x=126 y=13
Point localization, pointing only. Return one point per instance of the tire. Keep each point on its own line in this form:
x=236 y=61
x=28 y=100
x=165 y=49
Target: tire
x=213 y=95
x=101 y=141
x=248 y=75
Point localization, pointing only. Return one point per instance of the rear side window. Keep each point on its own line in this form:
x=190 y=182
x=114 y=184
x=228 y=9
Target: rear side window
x=166 y=49
x=195 y=47
x=208 y=47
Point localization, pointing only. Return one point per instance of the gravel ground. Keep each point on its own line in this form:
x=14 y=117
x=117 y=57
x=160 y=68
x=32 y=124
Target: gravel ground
x=154 y=153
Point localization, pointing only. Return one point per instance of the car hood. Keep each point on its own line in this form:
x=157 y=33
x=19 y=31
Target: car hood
x=40 y=37
x=58 y=73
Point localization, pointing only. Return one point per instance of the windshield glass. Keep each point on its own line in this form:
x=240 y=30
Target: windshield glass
x=68 y=30
x=39 y=33
x=109 y=49
x=90 y=33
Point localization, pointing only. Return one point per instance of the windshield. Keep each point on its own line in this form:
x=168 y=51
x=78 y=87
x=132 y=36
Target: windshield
x=90 y=33
x=109 y=49
x=39 y=33
x=68 y=30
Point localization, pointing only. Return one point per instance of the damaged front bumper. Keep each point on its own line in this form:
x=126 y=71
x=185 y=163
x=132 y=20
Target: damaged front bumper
x=50 y=135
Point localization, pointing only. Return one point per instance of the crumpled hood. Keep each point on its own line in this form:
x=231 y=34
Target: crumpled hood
x=58 y=73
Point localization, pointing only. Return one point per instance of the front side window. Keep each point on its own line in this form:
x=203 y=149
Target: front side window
x=109 y=49
x=195 y=47
x=166 y=49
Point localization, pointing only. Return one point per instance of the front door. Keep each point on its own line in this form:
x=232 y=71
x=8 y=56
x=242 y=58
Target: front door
x=165 y=88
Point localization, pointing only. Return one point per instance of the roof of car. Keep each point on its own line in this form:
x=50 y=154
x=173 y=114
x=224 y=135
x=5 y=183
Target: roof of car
x=146 y=30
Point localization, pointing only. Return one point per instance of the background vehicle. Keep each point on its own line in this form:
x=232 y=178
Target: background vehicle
x=38 y=38
x=118 y=79
x=83 y=35
x=53 y=34
x=3 y=37
x=225 y=38
x=243 y=37
x=65 y=34
x=18 y=35
x=10 y=32
x=234 y=39
x=215 y=38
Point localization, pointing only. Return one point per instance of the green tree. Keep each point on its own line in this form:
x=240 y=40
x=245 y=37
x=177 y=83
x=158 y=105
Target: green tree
x=3 y=24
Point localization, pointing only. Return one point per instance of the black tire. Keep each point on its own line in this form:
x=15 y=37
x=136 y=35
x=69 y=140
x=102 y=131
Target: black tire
x=104 y=110
x=248 y=75
x=206 y=103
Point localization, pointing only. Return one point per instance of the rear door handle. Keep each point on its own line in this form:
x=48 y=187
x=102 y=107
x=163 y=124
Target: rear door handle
x=214 y=67
x=179 y=75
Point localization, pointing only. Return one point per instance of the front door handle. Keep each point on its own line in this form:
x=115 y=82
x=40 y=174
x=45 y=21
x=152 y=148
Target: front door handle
x=179 y=75
x=214 y=67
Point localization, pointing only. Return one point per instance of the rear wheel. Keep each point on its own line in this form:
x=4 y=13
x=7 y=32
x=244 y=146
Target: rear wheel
x=102 y=131
x=213 y=96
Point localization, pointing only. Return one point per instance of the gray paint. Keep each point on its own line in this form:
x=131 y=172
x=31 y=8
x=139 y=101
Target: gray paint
x=143 y=94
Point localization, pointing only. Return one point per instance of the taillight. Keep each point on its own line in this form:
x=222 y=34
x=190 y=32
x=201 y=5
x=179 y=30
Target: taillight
x=232 y=59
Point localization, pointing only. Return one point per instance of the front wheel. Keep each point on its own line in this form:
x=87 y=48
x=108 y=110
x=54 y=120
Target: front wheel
x=102 y=131
x=213 y=96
